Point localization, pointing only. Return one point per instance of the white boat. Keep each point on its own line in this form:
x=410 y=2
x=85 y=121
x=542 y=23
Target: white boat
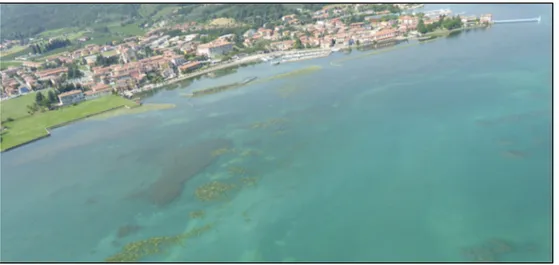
x=275 y=63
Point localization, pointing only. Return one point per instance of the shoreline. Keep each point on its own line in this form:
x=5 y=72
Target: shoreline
x=48 y=129
x=317 y=53
x=246 y=60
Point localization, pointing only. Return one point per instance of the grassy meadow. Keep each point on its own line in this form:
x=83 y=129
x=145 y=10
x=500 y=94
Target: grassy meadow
x=30 y=127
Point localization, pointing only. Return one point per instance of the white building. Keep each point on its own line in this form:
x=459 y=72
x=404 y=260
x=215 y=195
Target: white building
x=214 y=48
x=71 y=97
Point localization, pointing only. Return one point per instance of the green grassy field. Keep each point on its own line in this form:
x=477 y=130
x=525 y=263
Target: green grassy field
x=127 y=30
x=72 y=33
x=7 y=64
x=32 y=127
x=109 y=53
x=14 y=49
x=164 y=12
x=16 y=108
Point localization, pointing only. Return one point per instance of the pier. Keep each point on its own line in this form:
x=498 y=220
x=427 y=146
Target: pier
x=536 y=19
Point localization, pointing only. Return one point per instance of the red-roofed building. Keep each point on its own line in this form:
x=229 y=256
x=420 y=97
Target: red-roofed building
x=188 y=67
x=385 y=34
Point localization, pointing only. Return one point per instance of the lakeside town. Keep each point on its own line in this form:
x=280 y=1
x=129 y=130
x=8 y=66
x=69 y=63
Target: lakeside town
x=155 y=59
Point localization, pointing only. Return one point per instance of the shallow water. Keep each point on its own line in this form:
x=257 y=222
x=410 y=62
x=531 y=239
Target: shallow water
x=424 y=153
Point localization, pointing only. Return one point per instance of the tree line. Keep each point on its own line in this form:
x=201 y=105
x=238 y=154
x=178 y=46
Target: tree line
x=106 y=61
x=448 y=23
x=42 y=102
x=51 y=45
x=74 y=72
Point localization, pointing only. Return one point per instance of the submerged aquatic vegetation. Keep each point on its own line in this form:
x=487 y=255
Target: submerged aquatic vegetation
x=197 y=214
x=268 y=123
x=250 y=181
x=214 y=190
x=298 y=72
x=128 y=111
x=181 y=166
x=490 y=250
x=135 y=251
x=288 y=90
x=223 y=151
x=250 y=152
x=213 y=90
x=237 y=171
x=514 y=154
x=127 y=230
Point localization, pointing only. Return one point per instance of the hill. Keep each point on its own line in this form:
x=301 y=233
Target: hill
x=27 y=20
x=20 y=21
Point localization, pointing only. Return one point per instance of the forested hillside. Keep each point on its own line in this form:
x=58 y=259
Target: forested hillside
x=18 y=21
x=26 y=20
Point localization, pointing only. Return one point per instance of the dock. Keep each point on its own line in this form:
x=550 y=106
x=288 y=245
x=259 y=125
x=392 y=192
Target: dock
x=521 y=20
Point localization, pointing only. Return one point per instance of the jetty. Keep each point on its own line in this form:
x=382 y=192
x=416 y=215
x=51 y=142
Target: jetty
x=521 y=20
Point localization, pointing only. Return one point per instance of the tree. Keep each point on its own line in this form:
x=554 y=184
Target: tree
x=148 y=51
x=307 y=46
x=74 y=72
x=421 y=27
x=298 y=45
x=51 y=96
x=39 y=98
x=31 y=109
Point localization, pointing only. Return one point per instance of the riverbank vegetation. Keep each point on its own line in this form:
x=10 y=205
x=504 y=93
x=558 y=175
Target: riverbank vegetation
x=29 y=128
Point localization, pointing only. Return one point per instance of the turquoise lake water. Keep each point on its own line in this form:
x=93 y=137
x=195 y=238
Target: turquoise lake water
x=428 y=152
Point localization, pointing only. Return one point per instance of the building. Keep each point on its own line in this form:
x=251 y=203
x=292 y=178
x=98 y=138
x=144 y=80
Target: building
x=71 y=97
x=283 y=45
x=486 y=18
x=32 y=64
x=188 y=67
x=90 y=60
x=214 y=48
x=51 y=72
x=407 y=20
x=385 y=34
x=98 y=91
x=227 y=37
x=356 y=25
